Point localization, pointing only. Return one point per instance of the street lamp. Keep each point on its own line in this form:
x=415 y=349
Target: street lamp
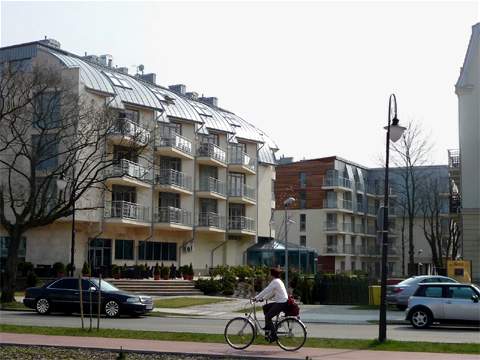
x=394 y=133
x=286 y=204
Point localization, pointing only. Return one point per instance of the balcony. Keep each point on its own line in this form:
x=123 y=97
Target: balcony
x=174 y=145
x=337 y=250
x=372 y=210
x=172 y=218
x=124 y=212
x=170 y=180
x=360 y=186
x=128 y=173
x=241 y=225
x=210 y=222
x=332 y=182
x=360 y=208
x=212 y=188
x=341 y=205
x=454 y=159
x=211 y=154
x=126 y=131
x=338 y=227
x=239 y=161
x=242 y=194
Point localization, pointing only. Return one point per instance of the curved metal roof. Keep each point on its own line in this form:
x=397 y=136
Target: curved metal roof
x=212 y=119
x=243 y=129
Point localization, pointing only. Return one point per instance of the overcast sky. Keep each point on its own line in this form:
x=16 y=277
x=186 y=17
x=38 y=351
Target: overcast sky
x=315 y=76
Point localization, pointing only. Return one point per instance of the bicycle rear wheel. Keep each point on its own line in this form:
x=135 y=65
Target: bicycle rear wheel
x=239 y=333
x=291 y=334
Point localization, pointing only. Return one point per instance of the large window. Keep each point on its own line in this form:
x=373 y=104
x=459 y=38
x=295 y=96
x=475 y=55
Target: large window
x=46 y=110
x=303 y=222
x=303 y=240
x=124 y=249
x=303 y=199
x=302 y=177
x=169 y=200
x=159 y=251
x=45 y=149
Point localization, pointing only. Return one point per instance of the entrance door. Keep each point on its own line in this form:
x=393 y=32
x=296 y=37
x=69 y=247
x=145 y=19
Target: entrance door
x=100 y=255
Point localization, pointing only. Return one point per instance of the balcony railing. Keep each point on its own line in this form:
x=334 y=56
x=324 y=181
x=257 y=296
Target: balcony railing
x=173 y=177
x=360 y=207
x=360 y=186
x=173 y=215
x=333 y=226
x=176 y=141
x=372 y=210
x=359 y=229
x=211 y=184
x=371 y=230
x=454 y=159
x=212 y=151
x=337 y=249
x=337 y=181
x=126 y=210
x=241 y=223
x=129 y=168
x=131 y=129
x=237 y=157
x=211 y=219
x=242 y=191
x=340 y=204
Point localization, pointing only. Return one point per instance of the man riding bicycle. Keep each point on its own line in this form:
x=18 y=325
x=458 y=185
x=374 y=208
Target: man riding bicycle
x=276 y=292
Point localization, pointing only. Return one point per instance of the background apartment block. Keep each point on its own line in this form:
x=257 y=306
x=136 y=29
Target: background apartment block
x=199 y=192
x=336 y=209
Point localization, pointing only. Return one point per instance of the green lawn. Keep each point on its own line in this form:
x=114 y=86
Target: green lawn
x=390 y=345
x=14 y=306
x=181 y=302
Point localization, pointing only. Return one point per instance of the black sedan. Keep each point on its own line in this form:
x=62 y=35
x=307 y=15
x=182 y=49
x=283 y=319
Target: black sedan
x=63 y=295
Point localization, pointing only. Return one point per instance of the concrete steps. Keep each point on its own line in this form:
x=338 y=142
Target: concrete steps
x=157 y=287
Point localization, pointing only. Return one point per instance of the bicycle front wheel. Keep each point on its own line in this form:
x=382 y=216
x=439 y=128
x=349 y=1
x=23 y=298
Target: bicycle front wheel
x=291 y=334
x=239 y=333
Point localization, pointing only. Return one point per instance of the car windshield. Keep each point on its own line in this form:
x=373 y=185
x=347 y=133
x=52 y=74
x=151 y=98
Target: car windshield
x=476 y=287
x=106 y=286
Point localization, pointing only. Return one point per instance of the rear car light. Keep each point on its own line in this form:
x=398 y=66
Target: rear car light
x=397 y=290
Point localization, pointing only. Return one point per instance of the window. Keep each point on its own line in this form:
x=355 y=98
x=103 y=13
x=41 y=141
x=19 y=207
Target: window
x=65 y=284
x=303 y=199
x=124 y=193
x=211 y=138
x=353 y=265
x=303 y=222
x=167 y=162
x=303 y=240
x=46 y=110
x=45 y=150
x=117 y=80
x=460 y=292
x=124 y=249
x=160 y=251
x=169 y=200
x=303 y=180
x=431 y=291
x=132 y=115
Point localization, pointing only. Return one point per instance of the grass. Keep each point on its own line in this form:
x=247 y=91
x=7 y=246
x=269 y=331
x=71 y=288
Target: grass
x=182 y=302
x=165 y=314
x=390 y=345
x=15 y=305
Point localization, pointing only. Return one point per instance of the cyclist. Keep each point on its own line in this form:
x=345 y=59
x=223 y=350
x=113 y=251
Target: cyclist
x=276 y=292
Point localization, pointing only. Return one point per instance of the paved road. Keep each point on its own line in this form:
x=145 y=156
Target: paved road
x=212 y=326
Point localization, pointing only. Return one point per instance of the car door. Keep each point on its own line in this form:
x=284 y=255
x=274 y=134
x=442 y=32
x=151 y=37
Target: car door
x=64 y=295
x=89 y=297
x=459 y=304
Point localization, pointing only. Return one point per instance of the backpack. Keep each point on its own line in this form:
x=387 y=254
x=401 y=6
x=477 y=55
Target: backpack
x=292 y=307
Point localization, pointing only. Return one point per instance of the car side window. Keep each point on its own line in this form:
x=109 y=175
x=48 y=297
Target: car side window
x=433 y=291
x=65 y=284
x=86 y=285
x=460 y=292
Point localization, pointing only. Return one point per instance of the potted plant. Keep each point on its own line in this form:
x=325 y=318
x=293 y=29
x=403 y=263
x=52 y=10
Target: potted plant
x=115 y=271
x=85 y=269
x=156 y=272
x=188 y=272
x=59 y=269
x=70 y=268
x=164 y=272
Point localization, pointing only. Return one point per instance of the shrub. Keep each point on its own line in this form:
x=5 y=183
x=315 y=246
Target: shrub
x=85 y=269
x=156 y=270
x=164 y=272
x=190 y=270
x=209 y=286
x=59 y=268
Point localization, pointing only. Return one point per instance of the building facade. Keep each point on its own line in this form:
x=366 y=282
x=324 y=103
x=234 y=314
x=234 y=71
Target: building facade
x=466 y=164
x=335 y=212
x=200 y=192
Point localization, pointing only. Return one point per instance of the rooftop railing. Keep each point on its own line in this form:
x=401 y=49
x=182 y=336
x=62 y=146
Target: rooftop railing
x=241 y=223
x=211 y=150
x=242 y=191
x=211 y=219
x=126 y=210
x=173 y=177
x=173 y=215
x=211 y=184
x=337 y=181
x=125 y=127
x=129 y=168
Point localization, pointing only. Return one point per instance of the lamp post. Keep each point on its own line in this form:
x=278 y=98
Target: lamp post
x=62 y=185
x=394 y=133
x=286 y=204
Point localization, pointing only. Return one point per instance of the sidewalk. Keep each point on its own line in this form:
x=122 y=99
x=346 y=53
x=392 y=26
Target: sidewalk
x=255 y=351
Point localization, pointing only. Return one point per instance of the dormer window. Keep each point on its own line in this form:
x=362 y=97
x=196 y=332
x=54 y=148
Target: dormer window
x=117 y=80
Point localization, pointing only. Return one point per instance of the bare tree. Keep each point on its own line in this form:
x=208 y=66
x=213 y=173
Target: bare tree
x=410 y=152
x=49 y=130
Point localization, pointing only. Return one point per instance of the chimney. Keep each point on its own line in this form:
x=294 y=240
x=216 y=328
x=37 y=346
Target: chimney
x=123 y=70
x=51 y=42
x=192 y=95
x=178 y=89
x=106 y=60
x=91 y=58
x=212 y=101
x=151 y=77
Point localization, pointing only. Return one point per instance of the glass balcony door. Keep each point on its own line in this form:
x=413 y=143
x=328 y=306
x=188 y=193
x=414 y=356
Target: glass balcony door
x=236 y=182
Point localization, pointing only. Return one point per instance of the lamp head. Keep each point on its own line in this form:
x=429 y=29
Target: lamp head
x=396 y=131
x=289 y=201
x=61 y=183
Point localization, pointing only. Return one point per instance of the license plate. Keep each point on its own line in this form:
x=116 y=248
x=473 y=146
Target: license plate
x=149 y=307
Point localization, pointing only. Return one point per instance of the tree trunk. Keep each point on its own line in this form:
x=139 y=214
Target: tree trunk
x=411 y=250
x=10 y=274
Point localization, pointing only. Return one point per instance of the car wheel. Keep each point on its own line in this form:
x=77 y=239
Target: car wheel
x=43 y=306
x=421 y=318
x=112 y=309
x=401 y=307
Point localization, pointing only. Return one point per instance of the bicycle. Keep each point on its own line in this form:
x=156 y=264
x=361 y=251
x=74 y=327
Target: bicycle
x=240 y=332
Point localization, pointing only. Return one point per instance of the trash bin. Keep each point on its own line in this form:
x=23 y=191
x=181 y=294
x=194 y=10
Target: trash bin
x=374 y=295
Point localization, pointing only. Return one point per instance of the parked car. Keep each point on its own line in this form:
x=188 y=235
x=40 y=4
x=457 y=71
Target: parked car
x=444 y=303
x=63 y=295
x=398 y=294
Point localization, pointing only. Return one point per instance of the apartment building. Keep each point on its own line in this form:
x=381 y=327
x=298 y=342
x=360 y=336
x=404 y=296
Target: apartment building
x=466 y=163
x=199 y=192
x=336 y=209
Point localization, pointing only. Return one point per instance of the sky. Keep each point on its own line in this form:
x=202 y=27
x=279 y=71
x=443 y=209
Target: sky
x=315 y=76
